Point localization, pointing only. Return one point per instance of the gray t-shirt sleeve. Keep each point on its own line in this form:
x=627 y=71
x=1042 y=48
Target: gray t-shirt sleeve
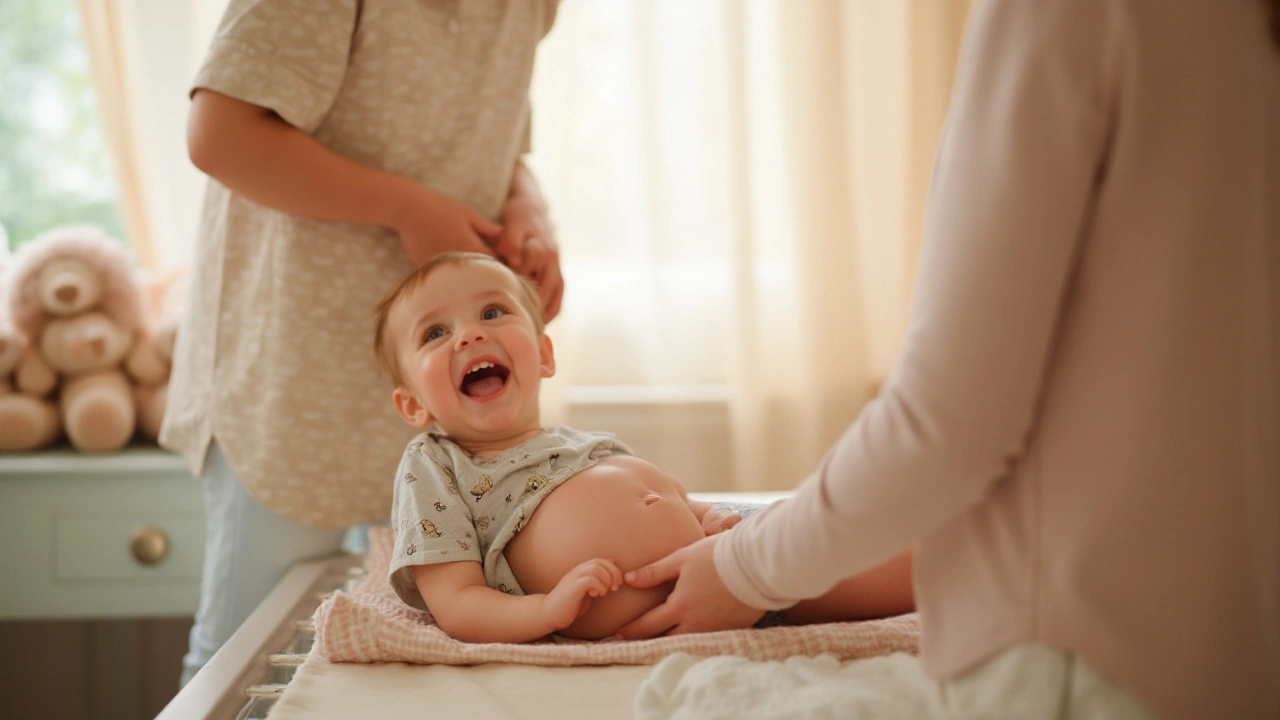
x=289 y=56
x=431 y=522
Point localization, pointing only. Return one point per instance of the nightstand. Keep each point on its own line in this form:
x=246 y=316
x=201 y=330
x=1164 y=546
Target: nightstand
x=117 y=535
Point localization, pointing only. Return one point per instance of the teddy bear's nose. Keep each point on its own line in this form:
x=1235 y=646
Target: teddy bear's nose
x=67 y=293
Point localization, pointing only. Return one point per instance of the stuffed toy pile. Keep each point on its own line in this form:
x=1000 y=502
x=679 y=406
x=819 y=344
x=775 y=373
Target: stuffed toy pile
x=85 y=346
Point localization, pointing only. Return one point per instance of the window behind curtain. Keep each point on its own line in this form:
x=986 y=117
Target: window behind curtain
x=54 y=166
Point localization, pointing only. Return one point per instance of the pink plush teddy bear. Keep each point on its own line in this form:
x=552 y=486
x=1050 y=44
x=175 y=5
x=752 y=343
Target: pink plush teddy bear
x=75 y=295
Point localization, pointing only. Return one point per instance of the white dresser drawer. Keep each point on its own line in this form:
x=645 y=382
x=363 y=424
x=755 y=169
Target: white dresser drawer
x=99 y=545
x=69 y=523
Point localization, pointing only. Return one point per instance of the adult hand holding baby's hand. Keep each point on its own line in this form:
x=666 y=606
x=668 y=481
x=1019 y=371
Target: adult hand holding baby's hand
x=699 y=603
x=429 y=223
x=571 y=598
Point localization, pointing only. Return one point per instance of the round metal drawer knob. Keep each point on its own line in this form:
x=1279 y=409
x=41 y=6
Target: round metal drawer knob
x=149 y=545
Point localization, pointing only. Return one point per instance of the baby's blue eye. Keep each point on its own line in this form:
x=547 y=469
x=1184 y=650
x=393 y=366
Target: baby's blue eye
x=433 y=333
x=492 y=313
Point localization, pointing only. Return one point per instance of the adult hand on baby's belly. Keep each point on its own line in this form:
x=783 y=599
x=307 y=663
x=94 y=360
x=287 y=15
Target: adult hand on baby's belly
x=623 y=508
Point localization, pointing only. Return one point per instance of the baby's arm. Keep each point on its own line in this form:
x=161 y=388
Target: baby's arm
x=468 y=609
x=258 y=155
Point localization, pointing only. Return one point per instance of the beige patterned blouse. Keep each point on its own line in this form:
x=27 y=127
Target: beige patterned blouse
x=274 y=354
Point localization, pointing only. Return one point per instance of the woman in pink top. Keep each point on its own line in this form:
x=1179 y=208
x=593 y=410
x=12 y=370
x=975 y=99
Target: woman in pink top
x=1082 y=434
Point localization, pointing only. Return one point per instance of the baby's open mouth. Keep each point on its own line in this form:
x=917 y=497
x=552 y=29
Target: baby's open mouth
x=485 y=378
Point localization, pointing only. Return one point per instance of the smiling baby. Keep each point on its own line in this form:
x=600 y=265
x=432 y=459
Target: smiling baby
x=508 y=531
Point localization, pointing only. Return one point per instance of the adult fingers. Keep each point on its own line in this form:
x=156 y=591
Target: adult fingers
x=534 y=256
x=475 y=243
x=652 y=624
x=482 y=225
x=460 y=238
x=510 y=246
x=470 y=237
x=656 y=573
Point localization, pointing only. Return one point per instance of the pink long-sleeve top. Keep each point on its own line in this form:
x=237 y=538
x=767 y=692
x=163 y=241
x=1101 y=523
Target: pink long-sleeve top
x=1082 y=432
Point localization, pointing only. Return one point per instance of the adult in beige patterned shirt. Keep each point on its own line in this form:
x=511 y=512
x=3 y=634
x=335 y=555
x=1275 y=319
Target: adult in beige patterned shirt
x=347 y=142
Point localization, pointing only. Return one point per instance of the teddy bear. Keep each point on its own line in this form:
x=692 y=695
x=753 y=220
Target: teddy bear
x=27 y=421
x=74 y=293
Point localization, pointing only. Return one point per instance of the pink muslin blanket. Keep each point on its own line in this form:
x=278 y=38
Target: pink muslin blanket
x=370 y=624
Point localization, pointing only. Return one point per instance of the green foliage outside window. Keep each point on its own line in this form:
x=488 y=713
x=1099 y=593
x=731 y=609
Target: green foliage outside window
x=54 y=166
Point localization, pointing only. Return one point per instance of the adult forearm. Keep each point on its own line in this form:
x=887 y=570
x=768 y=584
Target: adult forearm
x=480 y=614
x=263 y=158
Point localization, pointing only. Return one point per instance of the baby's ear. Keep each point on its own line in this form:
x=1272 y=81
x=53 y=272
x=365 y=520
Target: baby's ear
x=411 y=410
x=546 y=356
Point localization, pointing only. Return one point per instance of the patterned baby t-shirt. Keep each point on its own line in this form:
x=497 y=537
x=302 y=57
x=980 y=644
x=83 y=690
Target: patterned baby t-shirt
x=450 y=506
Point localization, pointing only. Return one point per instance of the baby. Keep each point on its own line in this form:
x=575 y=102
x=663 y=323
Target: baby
x=506 y=530
x=509 y=531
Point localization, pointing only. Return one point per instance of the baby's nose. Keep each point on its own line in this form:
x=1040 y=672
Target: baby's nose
x=469 y=337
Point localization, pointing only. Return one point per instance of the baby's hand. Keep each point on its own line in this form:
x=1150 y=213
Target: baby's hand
x=571 y=598
x=717 y=520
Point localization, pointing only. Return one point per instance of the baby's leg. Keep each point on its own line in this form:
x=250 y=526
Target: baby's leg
x=883 y=591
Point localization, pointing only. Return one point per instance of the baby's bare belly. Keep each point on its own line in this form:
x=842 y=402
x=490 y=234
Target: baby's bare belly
x=622 y=508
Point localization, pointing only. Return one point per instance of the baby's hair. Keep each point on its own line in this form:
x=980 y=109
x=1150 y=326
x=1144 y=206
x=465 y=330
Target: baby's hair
x=384 y=350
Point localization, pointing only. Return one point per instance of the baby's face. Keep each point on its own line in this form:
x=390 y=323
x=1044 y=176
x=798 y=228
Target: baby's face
x=469 y=353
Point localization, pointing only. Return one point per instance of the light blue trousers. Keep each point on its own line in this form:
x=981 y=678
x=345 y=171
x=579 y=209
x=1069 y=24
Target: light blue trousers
x=248 y=549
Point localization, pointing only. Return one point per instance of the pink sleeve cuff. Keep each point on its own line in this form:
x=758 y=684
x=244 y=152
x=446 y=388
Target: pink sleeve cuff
x=734 y=574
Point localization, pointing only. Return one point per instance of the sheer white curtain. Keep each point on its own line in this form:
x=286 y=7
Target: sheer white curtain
x=738 y=189
x=143 y=54
x=108 y=29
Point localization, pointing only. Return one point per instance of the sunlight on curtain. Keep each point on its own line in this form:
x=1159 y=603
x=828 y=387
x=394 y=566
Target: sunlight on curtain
x=144 y=54
x=737 y=189
x=107 y=28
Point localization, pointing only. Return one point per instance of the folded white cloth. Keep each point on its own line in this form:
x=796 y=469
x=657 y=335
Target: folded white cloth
x=1029 y=681
x=884 y=688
